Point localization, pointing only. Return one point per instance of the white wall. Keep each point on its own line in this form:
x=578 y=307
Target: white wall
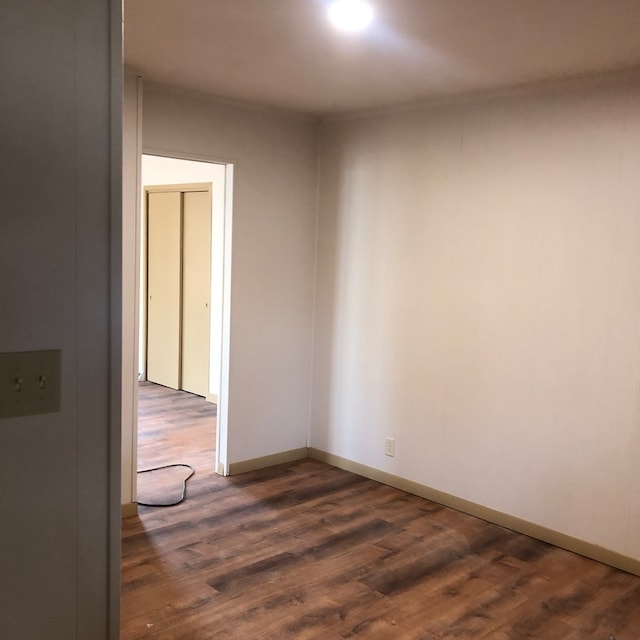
x=479 y=300
x=272 y=257
x=59 y=250
x=157 y=170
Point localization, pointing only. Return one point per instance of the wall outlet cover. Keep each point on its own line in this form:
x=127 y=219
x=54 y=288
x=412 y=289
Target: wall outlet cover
x=389 y=446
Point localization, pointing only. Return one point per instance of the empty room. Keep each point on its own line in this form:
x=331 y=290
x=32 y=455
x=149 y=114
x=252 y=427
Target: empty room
x=433 y=284
x=420 y=411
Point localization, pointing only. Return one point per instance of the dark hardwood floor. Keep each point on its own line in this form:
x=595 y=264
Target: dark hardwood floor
x=307 y=551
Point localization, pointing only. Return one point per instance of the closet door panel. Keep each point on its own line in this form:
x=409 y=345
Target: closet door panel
x=164 y=288
x=196 y=291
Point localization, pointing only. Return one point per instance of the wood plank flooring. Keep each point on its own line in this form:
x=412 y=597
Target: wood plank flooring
x=306 y=551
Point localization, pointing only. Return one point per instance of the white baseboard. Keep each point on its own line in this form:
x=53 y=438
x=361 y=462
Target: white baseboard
x=558 y=539
x=268 y=461
x=587 y=549
x=129 y=509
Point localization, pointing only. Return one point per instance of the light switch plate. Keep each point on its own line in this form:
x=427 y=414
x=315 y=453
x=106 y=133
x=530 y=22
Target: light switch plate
x=30 y=383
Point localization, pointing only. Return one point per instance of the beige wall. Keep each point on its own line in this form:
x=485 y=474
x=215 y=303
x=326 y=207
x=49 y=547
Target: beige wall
x=271 y=257
x=479 y=300
x=60 y=252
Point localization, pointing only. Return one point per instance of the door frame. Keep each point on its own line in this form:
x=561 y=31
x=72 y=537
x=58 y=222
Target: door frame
x=226 y=228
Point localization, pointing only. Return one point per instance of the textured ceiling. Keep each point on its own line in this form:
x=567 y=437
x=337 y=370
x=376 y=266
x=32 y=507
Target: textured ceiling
x=285 y=54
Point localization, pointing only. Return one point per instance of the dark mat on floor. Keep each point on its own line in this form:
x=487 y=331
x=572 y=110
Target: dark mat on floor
x=163 y=486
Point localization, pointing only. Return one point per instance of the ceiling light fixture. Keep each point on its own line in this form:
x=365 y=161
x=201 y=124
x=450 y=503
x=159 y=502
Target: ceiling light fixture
x=351 y=15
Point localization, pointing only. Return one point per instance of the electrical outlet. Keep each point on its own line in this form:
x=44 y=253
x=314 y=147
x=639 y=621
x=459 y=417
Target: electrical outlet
x=29 y=383
x=389 y=446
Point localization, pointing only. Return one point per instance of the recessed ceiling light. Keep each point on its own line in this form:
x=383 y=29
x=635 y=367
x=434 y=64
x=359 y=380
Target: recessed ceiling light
x=351 y=15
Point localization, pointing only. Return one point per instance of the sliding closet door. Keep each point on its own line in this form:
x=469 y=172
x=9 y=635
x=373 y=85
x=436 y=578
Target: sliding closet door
x=164 y=288
x=196 y=291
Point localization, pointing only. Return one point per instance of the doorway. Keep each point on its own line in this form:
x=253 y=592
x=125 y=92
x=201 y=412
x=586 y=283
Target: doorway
x=207 y=186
